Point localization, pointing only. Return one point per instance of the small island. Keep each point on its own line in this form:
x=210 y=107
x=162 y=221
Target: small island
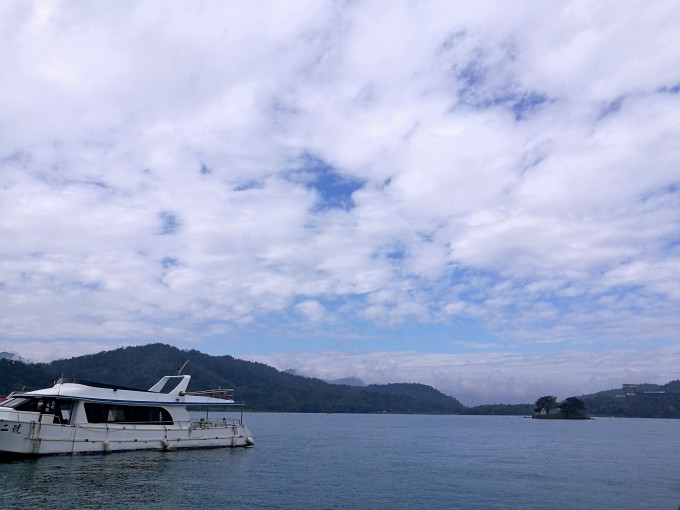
x=571 y=408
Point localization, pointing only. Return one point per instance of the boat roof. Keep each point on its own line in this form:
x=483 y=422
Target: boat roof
x=93 y=384
x=170 y=390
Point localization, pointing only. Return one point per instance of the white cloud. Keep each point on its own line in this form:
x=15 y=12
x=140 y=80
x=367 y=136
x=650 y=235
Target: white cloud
x=517 y=169
x=312 y=310
x=487 y=377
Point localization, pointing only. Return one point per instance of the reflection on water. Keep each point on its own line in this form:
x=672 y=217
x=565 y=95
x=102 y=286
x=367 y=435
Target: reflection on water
x=136 y=479
x=91 y=480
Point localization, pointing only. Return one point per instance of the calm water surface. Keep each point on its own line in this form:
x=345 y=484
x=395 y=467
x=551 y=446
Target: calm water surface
x=330 y=461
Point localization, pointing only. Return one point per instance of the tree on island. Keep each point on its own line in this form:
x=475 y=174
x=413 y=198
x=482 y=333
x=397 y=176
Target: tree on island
x=546 y=403
x=572 y=406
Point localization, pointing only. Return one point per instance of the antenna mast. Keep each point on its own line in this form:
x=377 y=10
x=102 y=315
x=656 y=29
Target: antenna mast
x=181 y=367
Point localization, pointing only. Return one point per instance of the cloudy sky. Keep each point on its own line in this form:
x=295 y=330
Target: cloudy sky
x=481 y=196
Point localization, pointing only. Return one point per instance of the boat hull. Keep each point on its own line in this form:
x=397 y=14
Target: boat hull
x=19 y=438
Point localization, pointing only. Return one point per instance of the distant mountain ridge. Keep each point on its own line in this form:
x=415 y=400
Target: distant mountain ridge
x=646 y=401
x=347 y=381
x=262 y=387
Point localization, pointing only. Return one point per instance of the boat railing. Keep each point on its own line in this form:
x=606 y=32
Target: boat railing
x=224 y=394
x=220 y=423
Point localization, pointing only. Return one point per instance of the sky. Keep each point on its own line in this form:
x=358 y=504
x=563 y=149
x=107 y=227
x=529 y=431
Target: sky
x=483 y=197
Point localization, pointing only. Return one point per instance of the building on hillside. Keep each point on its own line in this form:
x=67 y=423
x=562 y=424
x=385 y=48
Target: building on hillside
x=630 y=389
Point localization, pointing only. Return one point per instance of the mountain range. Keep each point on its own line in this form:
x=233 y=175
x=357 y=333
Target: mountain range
x=263 y=388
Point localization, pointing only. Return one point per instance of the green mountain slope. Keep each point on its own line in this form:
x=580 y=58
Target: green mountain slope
x=16 y=375
x=262 y=387
x=649 y=401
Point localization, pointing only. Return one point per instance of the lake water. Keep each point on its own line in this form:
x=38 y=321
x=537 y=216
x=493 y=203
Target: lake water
x=326 y=461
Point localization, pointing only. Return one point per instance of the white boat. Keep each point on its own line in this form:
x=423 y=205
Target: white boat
x=77 y=416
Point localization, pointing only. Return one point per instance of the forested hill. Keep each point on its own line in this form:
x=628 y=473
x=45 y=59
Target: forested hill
x=262 y=387
x=648 y=401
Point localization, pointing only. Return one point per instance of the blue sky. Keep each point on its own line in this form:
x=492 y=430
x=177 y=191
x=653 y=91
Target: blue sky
x=485 y=198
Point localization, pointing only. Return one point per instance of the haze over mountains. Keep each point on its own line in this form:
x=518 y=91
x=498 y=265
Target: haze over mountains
x=12 y=356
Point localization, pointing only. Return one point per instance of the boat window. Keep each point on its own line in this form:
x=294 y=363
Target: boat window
x=16 y=402
x=115 y=414
x=25 y=404
x=46 y=405
x=111 y=413
x=65 y=407
x=171 y=384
